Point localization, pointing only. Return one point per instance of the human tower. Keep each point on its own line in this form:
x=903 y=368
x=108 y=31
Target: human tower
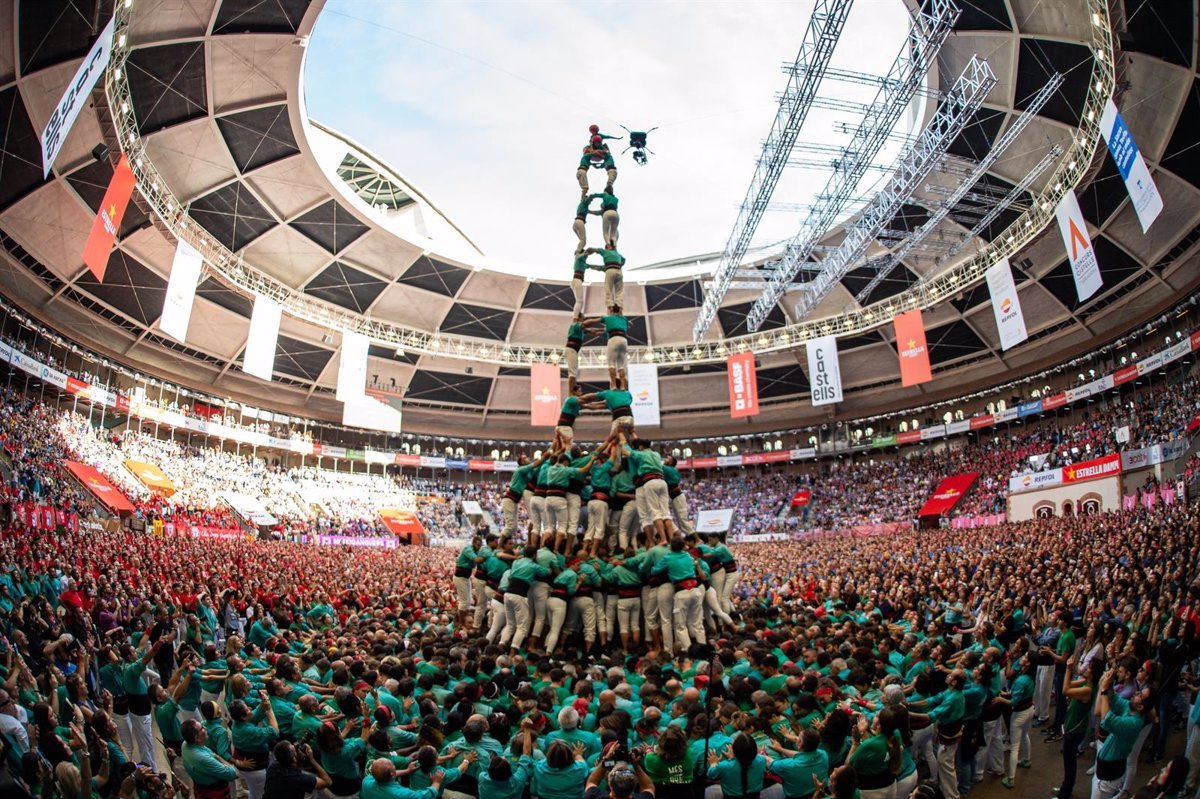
x=632 y=572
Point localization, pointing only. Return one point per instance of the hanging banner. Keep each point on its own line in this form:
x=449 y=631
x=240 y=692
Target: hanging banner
x=643 y=385
x=1006 y=305
x=1093 y=469
x=371 y=414
x=259 y=357
x=743 y=385
x=100 y=487
x=714 y=521
x=1147 y=202
x=76 y=97
x=910 y=344
x=401 y=522
x=181 y=291
x=151 y=477
x=352 y=366
x=824 y=371
x=801 y=498
x=948 y=493
x=108 y=219
x=545 y=397
x=1084 y=267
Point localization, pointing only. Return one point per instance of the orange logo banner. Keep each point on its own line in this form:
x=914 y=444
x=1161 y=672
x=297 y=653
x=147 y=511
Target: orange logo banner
x=545 y=397
x=910 y=344
x=743 y=385
x=108 y=220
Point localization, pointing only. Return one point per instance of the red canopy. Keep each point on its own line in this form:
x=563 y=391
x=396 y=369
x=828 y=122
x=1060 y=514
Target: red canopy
x=948 y=493
x=98 y=484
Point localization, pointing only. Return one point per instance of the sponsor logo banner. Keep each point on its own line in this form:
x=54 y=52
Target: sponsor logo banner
x=76 y=97
x=1125 y=374
x=1175 y=352
x=802 y=454
x=181 y=291
x=729 y=460
x=259 y=357
x=355 y=541
x=428 y=462
x=1093 y=469
x=978 y=422
x=1029 y=408
x=1006 y=305
x=408 y=460
x=910 y=344
x=506 y=466
x=933 y=431
x=643 y=385
x=954 y=428
x=1052 y=402
x=824 y=371
x=908 y=437
x=101 y=489
x=948 y=493
x=108 y=219
x=714 y=521
x=481 y=466
x=801 y=498
x=401 y=522
x=704 y=463
x=545 y=399
x=1150 y=364
x=743 y=385
x=1032 y=480
x=1147 y=202
x=879 y=442
x=1006 y=415
x=370 y=414
x=1084 y=267
x=352 y=366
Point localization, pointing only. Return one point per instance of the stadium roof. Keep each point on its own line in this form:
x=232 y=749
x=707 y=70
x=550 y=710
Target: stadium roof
x=217 y=94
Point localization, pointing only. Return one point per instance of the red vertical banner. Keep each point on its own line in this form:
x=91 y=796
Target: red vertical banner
x=545 y=398
x=743 y=385
x=910 y=343
x=108 y=220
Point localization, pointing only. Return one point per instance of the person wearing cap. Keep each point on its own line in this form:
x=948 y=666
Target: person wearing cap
x=609 y=217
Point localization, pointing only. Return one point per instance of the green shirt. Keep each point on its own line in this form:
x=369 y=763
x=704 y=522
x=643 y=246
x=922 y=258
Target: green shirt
x=664 y=772
x=737 y=780
x=1066 y=643
x=615 y=398
x=612 y=258
x=575 y=332
x=392 y=790
x=561 y=476
x=202 y=765
x=615 y=324
x=671 y=475
x=521 y=478
x=571 y=407
x=218 y=739
x=1123 y=728
x=797 y=772
x=644 y=461
x=167 y=716
x=608 y=202
x=601 y=476
x=345 y=763
x=527 y=570
x=678 y=566
x=871 y=757
x=252 y=738
x=553 y=783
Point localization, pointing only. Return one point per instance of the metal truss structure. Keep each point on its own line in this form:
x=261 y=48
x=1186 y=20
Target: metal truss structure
x=932 y=25
x=965 y=185
x=824 y=29
x=912 y=167
x=244 y=278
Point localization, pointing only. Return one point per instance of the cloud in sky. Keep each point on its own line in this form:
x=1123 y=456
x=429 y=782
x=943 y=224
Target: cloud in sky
x=485 y=106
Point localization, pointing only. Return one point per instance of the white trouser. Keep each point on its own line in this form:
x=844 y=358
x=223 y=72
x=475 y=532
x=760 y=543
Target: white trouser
x=597 y=519
x=716 y=579
x=712 y=606
x=614 y=287
x=1043 y=691
x=574 y=505
x=1131 y=762
x=609 y=221
x=689 y=617
x=558 y=615
x=556 y=511
x=143 y=738
x=731 y=580
x=680 y=507
x=1106 y=789
x=628 y=611
x=539 y=592
x=516 y=616
x=538 y=519
x=462 y=587
x=649 y=607
x=653 y=502
x=572 y=356
x=906 y=785
x=256 y=781
x=1018 y=739
x=583 y=608
x=483 y=602
x=665 y=594
x=580 y=229
x=991 y=755
x=509 y=509
x=627 y=527
x=124 y=734
x=617 y=353
x=566 y=435
x=606 y=615
x=924 y=744
x=499 y=619
x=947 y=774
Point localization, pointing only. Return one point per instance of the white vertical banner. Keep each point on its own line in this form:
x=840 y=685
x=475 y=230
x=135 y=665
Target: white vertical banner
x=76 y=97
x=352 y=366
x=1073 y=227
x=181 y=291
x=1006 y=305
x=824 y=371
x=1147 y=202
x=363 y=410
x=643 y=385
x=259 y=357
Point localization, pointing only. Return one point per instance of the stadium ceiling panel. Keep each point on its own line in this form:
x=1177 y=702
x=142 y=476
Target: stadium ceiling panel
x=221 y=115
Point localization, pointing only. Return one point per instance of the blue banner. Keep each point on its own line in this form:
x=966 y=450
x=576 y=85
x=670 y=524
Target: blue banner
x=1029 y=408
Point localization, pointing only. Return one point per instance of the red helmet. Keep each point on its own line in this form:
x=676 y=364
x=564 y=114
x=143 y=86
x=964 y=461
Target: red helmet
x=594 y=129
x=596 y=141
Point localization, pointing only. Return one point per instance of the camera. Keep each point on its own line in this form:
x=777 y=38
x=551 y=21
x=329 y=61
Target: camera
x=619 y=755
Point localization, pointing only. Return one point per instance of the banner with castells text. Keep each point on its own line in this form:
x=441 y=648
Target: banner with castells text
x=824 y=371
x=181 y=291
x=259 y=357
x=1147 y=202
x=108 y=219
x=1006 y=305
x=76 y=97
x=1073 y=227
x=643 y=385
x=352 y=366
x=545 y=394
x=948 y=493
x=910 y=344
x=743 y=385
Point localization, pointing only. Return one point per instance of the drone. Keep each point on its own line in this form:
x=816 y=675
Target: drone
x=637 y=143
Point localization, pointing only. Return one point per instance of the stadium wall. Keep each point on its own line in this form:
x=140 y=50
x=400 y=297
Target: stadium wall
x=1025 y=505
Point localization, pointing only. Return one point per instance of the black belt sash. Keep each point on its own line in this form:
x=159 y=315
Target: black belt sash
x=623 y=410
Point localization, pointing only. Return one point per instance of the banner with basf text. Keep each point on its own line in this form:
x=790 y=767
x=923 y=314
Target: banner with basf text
x=743 y=385
x=352 y=366
x=643 y=385
x=1006 y=305
x=824 y=371
x=948 y=493
x=76 y=97
x=910 y=344
x=1073 y=227
x=108 y=219
x=545 y=399
x=181 y=291
x=1147 y=202
x=259 y=357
